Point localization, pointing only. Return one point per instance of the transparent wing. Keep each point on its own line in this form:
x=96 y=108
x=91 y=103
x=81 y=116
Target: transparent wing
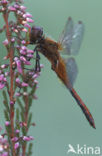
x=72 y=70
x=71 y=37
x=78 y=33
x=65 y=38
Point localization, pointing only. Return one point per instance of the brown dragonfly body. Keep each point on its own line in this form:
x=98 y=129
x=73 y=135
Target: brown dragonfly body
x=65 y=69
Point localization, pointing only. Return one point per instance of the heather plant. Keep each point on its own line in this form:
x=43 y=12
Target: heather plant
x=18 y=79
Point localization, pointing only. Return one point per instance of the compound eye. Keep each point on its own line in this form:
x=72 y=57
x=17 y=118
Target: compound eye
x=36 y=34
x=38 y=30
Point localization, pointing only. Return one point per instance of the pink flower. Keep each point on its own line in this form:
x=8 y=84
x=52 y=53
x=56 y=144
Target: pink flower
x=23 y=124
x=5 y=42
x=29 y=55
x=23 y=52
x=11 y=8
x=35 y=76
x=18 y=80
x=28 y=138
x=27 y=14
x=24 y=48
x=24 y=30
x=24 y=84
x=2 y=85
x=12 y=39
x=7 y=73
x=18 y=94
x=35 y=81
x=2 y=81
x=31 y=137
x=16 y=6
x=4 y=2
x=4 y=66
x=30 y=51
x=1 y=77
x=7 y=123
x=29 y=20
x=16 y=145
x=17 y=131
x=4 y=154
x=12 y=102
x=19 y=67
x=23 y=42
x=27 y=25
x=15 y=139
x=22 y=7
x=22 y=58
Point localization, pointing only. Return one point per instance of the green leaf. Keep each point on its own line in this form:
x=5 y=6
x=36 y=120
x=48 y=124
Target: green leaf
x=17 y=114
x=33 y=90
x=30 y=103
x=17 y=118
x=29 y=120
x=22 y=117
x=8 y=130
x=6 y=115
x=30 y=149
x=6 y=101
x=20 y=104
x=24 y=131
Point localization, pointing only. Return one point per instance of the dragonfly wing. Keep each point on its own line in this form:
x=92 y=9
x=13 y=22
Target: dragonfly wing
x=71 y=37
x=72 y=70
x=65 y=38
x=77 y=37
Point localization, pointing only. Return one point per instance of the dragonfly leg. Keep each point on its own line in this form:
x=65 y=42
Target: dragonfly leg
x=37 y=63
x=54 y=64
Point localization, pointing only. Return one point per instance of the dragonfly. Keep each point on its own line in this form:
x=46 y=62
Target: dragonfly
x=65 y=67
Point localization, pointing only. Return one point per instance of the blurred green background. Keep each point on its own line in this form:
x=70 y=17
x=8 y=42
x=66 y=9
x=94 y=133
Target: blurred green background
x=59 y=121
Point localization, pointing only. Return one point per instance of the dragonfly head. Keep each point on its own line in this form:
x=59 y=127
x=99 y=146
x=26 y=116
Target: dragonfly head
x=36 y=34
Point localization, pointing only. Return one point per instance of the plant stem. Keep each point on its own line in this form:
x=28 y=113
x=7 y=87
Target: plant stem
x=26 y=100
x=11 y=55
